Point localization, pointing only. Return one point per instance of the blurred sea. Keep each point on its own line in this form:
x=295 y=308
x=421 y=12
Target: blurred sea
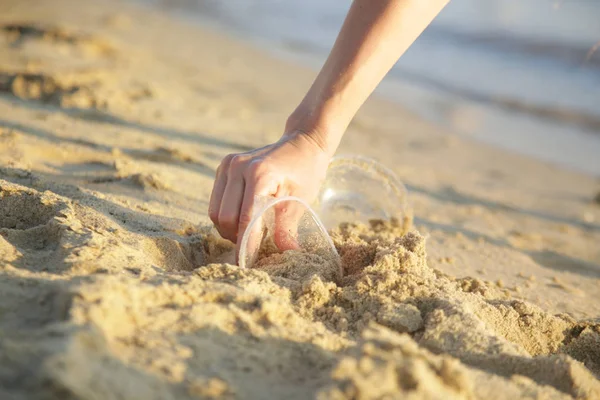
x=519 y=74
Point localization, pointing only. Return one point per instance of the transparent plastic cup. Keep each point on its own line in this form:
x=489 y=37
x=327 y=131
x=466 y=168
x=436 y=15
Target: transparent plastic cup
x=285 y=223
x=358 y=189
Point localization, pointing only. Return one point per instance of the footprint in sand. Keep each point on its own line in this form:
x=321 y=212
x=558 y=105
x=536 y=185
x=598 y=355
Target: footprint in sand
x=33 y=227
x=139 y=180
x=45 y=232
x=78 y=88
x=48 y=89
x=85 y=91
x=19 y=35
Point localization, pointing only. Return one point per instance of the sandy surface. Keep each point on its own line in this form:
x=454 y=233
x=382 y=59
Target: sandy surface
x=112 y=285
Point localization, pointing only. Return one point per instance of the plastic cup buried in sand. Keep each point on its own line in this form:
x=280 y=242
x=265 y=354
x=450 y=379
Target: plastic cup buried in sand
x=358 y=189
x=281 y=224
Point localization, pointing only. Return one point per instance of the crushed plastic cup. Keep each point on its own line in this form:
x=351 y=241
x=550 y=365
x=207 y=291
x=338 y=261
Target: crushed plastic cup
x=358 y=189
x=285 y=223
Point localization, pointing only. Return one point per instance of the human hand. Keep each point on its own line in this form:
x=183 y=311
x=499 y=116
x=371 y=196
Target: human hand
x=293 y=166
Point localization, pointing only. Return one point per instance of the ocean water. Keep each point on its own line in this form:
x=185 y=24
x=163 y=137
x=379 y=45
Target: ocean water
x=519 y=74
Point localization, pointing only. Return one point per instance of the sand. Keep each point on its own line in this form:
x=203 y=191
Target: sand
x=113 y=285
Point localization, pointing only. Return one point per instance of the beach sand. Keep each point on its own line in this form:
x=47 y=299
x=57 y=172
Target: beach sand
x=113 y=118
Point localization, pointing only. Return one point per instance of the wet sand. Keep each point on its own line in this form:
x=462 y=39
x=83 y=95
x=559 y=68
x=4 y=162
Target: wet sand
x=114 y=286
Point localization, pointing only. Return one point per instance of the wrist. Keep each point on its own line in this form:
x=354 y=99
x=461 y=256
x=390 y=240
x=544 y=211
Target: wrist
x=318 y=125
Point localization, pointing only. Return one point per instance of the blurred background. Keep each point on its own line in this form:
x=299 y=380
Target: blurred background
x=520 y=74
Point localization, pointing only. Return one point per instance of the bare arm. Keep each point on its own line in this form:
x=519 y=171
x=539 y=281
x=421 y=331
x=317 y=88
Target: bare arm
x=374 y=35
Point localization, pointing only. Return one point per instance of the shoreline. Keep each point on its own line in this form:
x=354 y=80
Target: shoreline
x=501 y=120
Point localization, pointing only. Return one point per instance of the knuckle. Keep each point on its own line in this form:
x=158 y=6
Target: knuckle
x=227 y=159
x=226 y=162
x=258 y=169
x=236 y=161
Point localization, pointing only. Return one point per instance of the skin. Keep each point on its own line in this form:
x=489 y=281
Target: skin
x=373 y=37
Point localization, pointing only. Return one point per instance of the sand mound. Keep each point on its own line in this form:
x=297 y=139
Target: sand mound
x=29 y=86
x=298 y=266
x=48 y=232
x=18 y=34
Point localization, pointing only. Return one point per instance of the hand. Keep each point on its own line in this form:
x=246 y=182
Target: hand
x=293 y=166
x=374 y=35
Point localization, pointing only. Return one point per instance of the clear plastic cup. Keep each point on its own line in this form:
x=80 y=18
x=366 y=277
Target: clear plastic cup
x=358 y=189
x=285 y=223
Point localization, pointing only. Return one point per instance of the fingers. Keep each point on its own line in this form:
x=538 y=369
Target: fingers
x=226 y=196
x=287 y=218
x=231 y=203
x=239 y=179
x=218 y=189
x=255 y=236
x=258 y=185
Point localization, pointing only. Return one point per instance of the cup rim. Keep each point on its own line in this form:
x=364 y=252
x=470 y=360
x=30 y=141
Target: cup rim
x=379 y=168
x=270 y=202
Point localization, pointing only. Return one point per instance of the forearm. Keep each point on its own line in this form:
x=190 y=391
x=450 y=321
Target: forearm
x=374 y=35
